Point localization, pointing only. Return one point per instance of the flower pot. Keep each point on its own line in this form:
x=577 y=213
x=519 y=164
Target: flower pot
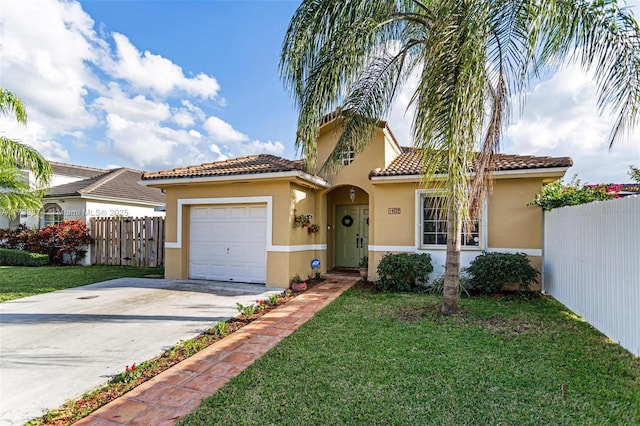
x=299 y=286
x=363 y=272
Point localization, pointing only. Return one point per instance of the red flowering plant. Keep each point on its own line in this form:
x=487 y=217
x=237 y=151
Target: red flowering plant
x=612 y=190
x=129 y=374
x=66 y=242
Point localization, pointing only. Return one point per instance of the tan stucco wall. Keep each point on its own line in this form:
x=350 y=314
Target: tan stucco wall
x=512 y=223
x=288 y=199
x=395 y=229
x=378 y=154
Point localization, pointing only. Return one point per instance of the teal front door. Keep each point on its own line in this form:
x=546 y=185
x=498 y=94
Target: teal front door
x=352 y=234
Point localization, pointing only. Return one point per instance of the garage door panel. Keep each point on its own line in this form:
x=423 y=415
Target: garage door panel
x=256 y=251
x=199 y=214
x=238 y=212
x=258 y=212
x=217 y=233
x=255 y=231
x=228 y=243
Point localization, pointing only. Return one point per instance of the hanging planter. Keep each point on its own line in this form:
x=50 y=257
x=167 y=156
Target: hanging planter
x=304 y=221
x=301 y=221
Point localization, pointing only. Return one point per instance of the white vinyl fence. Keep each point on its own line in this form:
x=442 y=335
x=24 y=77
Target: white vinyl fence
x=592 y=265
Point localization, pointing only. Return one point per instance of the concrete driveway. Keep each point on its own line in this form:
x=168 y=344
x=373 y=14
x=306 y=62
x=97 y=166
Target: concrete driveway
x=56 y=346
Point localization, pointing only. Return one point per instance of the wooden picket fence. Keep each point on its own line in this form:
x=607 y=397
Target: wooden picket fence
x=128 y=241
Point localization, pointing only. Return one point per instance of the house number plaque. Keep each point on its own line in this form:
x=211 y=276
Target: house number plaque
x=394 y=210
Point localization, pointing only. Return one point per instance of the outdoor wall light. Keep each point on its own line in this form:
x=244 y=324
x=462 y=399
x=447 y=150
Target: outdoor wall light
x=352 y=194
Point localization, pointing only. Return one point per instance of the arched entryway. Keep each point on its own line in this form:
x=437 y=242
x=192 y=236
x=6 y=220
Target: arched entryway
x=348 y=217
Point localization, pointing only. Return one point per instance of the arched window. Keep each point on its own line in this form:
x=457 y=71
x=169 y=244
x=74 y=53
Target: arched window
x=52 y=214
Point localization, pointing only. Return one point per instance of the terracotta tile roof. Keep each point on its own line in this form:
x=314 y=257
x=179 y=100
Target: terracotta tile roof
x=410 y=163
x=407 y=163
x=254 y=164
x=119 y=184
x=73 y=170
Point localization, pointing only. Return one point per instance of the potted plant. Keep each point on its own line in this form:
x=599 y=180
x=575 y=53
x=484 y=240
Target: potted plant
x=364 y=267
x=297 y=284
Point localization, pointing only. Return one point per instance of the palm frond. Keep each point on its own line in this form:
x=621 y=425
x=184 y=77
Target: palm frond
x=9 y=102
x=16 y=154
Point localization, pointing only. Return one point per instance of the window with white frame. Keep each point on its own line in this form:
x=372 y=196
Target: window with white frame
x=434 y=225
x=347 y=155
x=52 y=214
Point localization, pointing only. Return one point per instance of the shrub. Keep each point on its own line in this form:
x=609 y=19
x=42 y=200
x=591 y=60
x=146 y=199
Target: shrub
x=72 y=238
x=16 y=239
x=10 y=257
x=490 y=271
x=557 y=194
x=63 y=243
x=403 y=272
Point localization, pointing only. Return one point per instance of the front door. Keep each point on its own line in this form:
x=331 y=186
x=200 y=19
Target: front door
x=352 y=234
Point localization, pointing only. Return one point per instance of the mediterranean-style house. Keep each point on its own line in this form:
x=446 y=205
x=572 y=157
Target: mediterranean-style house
x=236 y=220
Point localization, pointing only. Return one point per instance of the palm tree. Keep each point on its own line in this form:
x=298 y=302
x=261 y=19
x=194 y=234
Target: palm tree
x=15 y=193
x=470 y=57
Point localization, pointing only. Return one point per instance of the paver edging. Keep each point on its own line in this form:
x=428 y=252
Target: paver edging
x=228 y=350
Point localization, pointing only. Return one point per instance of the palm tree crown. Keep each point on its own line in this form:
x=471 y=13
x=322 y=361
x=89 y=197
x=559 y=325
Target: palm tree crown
x=16 y=194
x=469 y=57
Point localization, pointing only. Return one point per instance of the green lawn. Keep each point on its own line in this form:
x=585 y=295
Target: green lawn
x=21 y=281
x=391 y=359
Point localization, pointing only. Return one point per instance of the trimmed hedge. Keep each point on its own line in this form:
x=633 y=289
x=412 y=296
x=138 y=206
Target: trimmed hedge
x=22 y=258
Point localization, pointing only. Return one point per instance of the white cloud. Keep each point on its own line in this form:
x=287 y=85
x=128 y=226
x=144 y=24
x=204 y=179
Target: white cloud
x=34 y=135
x=561 y=118
x=150 y=145
x=221 y=131
x=136 y=108
x=183 y=119
x=258 y=147
x=147 y=71
x=47 y=45
x=216 y=150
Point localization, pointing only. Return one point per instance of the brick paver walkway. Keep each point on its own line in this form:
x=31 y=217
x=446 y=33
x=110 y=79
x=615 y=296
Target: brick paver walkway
x=178 y=391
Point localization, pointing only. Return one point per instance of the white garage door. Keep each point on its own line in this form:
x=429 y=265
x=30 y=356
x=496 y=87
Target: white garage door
x=228 y=243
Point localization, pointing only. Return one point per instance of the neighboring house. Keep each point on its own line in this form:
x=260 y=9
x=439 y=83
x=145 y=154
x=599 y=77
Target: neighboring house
x=234 y=220
x=114 y=192
x=62 y=173
x=627 y=189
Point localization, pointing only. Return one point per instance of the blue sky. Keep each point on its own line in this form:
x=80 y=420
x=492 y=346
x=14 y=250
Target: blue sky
x=159 y=84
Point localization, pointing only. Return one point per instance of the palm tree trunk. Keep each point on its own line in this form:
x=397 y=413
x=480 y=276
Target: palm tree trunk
x=452 y=262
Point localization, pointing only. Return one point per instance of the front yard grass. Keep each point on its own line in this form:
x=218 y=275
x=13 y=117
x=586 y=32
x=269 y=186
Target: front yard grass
x=22 y=281
x=393 y=359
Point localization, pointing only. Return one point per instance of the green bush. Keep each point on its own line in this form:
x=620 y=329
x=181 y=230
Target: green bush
x=10 y=257
x=403 y=272
x=557 y=194
x=490 y=271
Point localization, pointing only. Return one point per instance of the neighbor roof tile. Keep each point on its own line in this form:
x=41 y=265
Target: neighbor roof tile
x=119 y=183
